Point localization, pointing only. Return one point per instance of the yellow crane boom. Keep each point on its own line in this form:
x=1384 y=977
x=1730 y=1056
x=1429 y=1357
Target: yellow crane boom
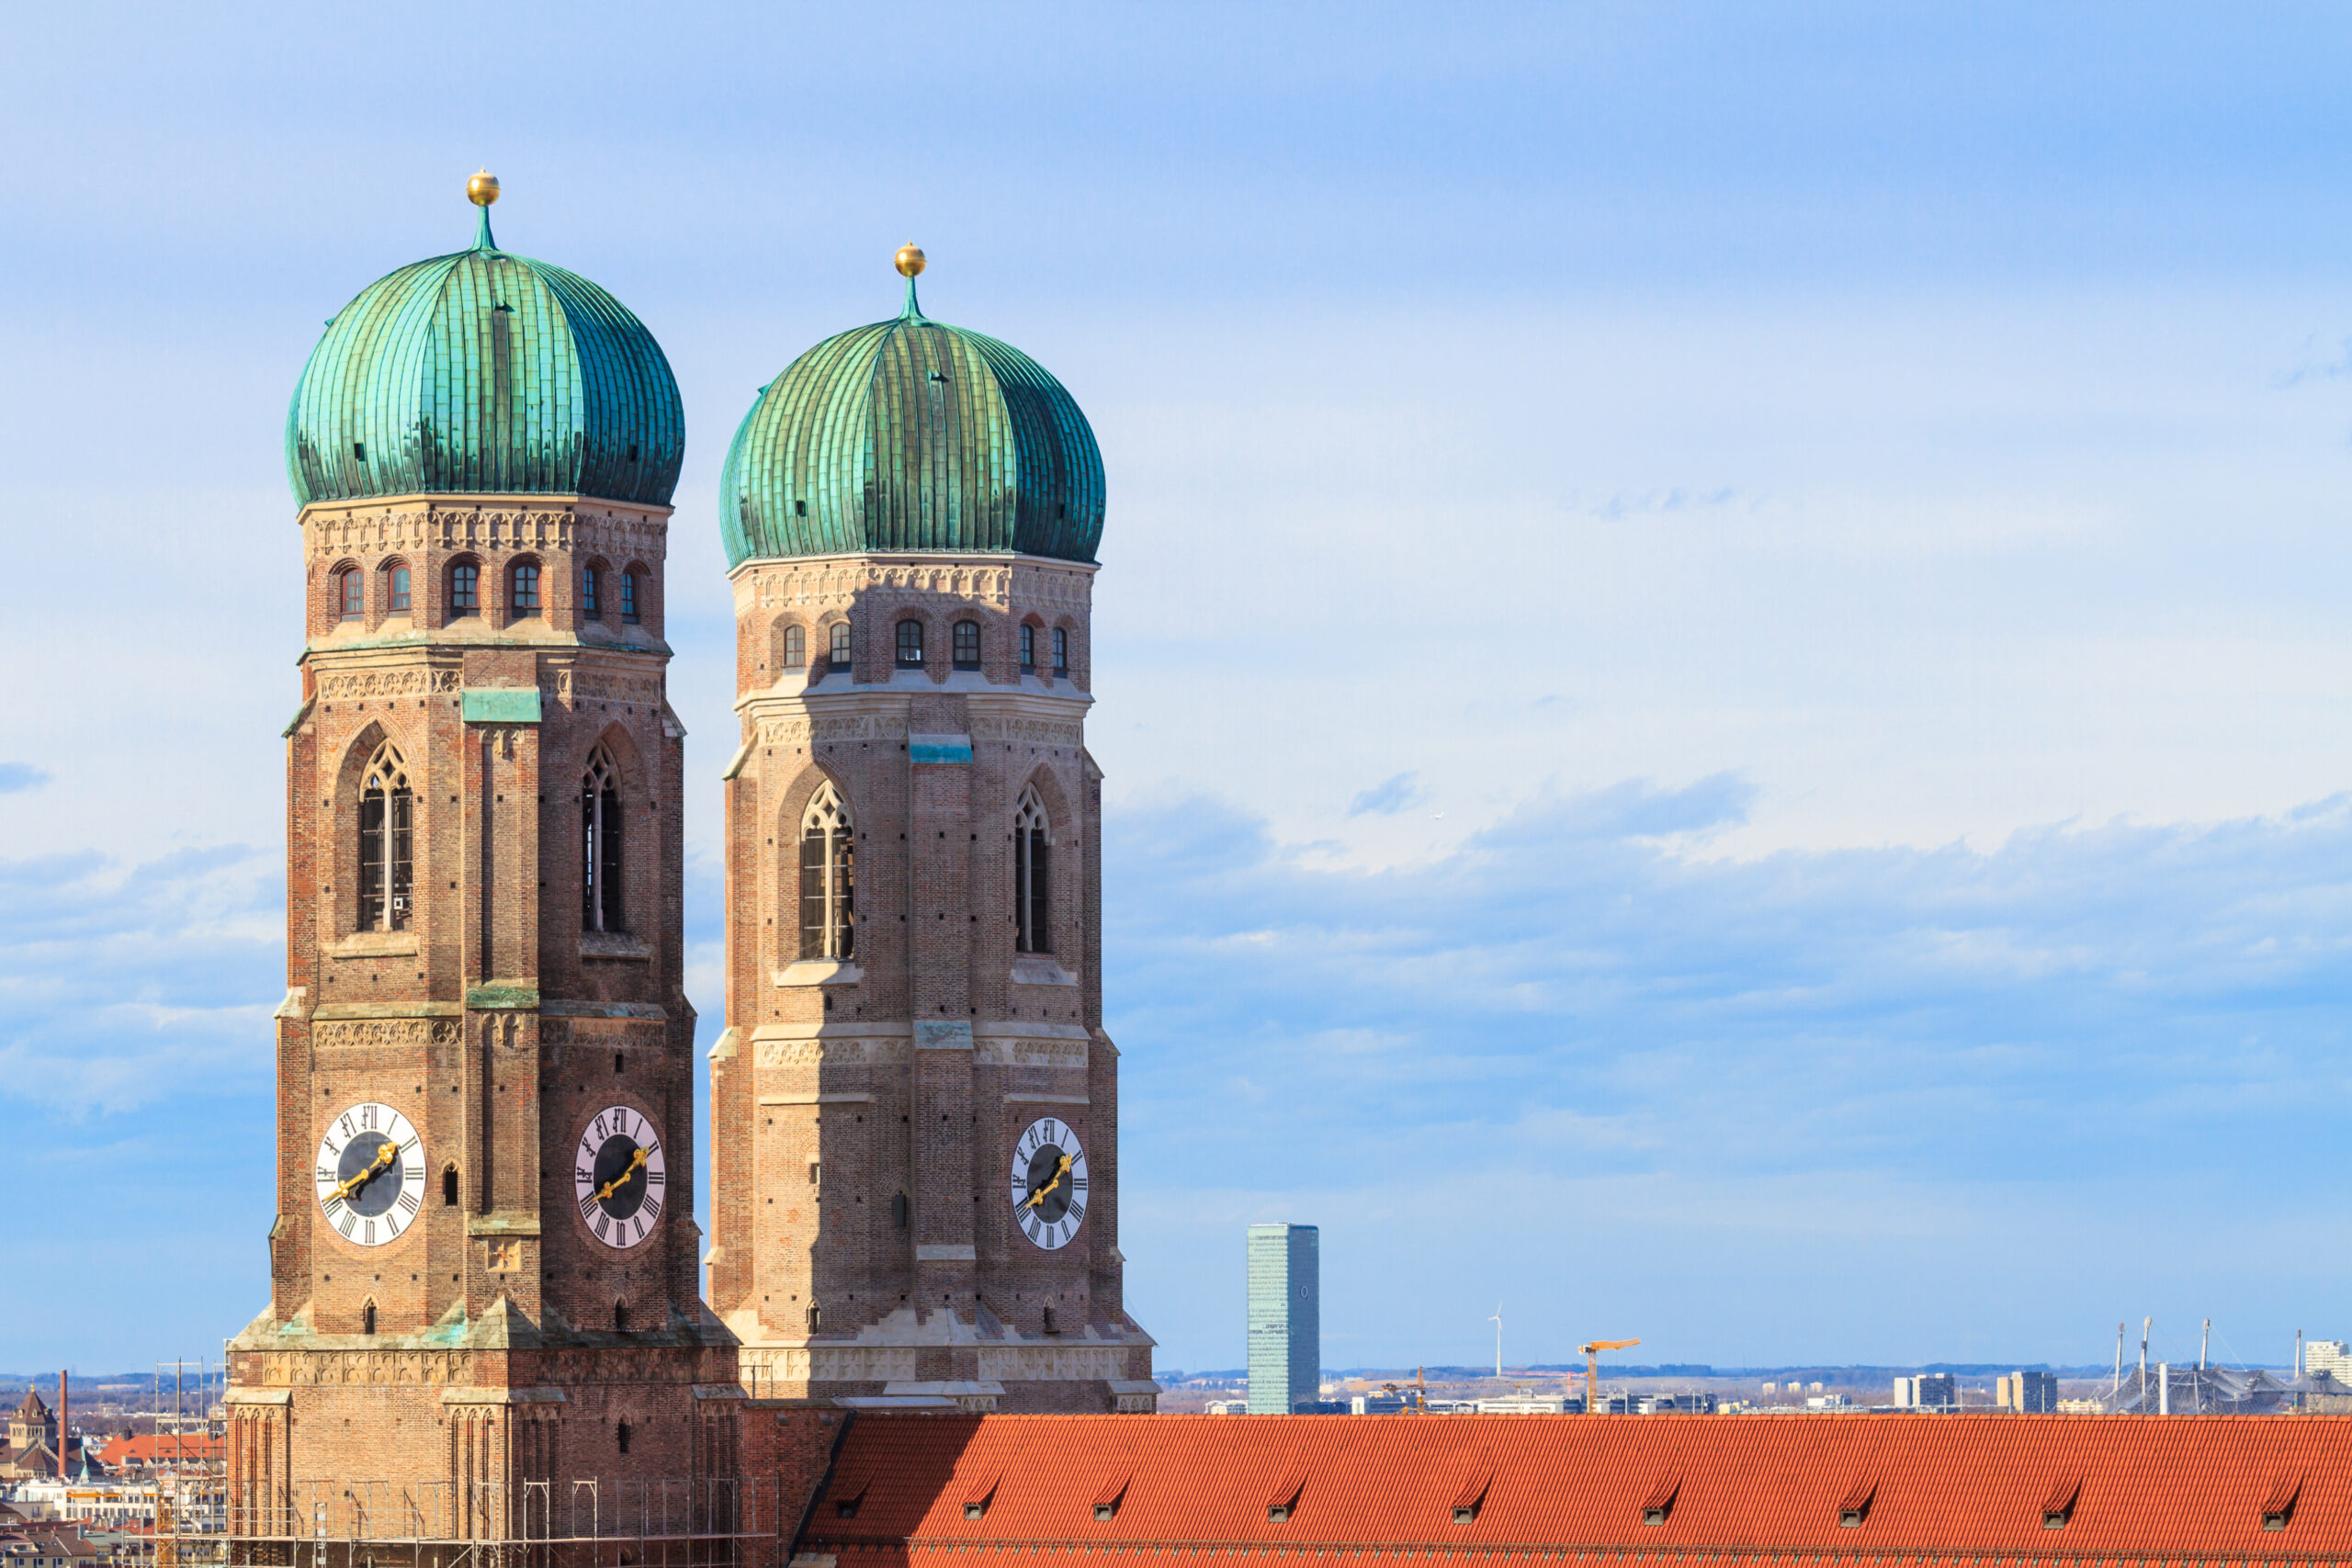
x=1592 y=1369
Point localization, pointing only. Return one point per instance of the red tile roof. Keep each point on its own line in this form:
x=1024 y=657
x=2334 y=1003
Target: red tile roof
x=1744 y=1486
x=150 y=1449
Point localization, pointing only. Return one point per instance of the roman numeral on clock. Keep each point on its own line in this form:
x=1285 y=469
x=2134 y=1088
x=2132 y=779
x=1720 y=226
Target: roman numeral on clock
x=652 y=1210
x=588 y=1206
x=408 y=1203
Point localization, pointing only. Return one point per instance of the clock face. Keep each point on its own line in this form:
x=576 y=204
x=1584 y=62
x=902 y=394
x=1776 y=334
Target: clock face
x=620 y=1178
x=1049 y=1183
x=370 y=1174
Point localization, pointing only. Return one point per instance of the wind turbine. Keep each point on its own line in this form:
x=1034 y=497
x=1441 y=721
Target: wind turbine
x=1498 y=1321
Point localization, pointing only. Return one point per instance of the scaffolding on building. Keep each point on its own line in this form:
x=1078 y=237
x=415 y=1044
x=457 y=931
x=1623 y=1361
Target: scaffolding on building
x=625 y=1523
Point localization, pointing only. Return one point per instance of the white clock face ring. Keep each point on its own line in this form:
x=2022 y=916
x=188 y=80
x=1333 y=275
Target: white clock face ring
x=1049 y=1183
x=370 y=1174
x=619 y=1176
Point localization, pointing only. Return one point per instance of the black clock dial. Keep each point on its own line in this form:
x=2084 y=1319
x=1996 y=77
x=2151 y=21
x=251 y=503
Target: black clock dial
x=1047 y=1176
x=382 y=1186
x=617 y=1161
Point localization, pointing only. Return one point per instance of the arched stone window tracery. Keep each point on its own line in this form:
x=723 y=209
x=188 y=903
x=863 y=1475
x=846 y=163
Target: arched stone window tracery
x=1033 y=876
x=601 y=814
x=387 y=839
x=828 y=877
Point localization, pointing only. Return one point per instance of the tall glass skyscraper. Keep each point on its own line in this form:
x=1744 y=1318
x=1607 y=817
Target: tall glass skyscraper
x=1285 y=1318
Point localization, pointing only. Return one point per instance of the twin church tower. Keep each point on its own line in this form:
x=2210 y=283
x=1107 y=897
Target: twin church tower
x=485 y=1266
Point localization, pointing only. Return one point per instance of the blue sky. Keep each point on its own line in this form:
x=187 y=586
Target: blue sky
x=1722 y=662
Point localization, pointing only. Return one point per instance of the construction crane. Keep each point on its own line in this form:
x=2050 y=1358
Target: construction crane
x=1592 y=1369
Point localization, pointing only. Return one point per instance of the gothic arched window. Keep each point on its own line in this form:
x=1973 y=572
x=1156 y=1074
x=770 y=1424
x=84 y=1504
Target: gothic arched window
x=600 y=843
x=968 y=645
x=396 y=588
x=387 y=816
x=351 y=592
x=828 y=878
x=838 y=659
x=795 y=647
x=1032 y=876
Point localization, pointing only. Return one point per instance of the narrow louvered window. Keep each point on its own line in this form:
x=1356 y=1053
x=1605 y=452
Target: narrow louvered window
x=601 y=909
x=828 y=878
x=968 y=645
x=386 y=815
x=1033 y=877
x=911 y=645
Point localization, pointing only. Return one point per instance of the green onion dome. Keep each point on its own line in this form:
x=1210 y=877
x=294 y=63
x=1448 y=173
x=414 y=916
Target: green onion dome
x=485 y=372
x=912 y=435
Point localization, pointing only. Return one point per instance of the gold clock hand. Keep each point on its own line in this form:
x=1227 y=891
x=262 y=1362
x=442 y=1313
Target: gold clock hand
x=360 y=1178
x=1039 y=1196
x=617 y=1182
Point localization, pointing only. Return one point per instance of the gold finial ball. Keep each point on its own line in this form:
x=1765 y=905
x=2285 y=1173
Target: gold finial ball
x=482 y=189
x=910 y=260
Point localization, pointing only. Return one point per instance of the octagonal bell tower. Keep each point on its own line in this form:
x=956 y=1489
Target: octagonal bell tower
x=915 y=1107
x=484 y=1262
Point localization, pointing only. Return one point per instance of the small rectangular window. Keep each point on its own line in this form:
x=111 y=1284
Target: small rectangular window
x=465 y=589
x=527 y=589
x=800 y=509
x=359 y=451
x=1061 y=650
x=589 y=609
x=968 y=645
x=838 y=659
x=629 y=597
x=1028 y=649
x=349 y=590
x=399 y=597
x=795 y=648
x=911 y=645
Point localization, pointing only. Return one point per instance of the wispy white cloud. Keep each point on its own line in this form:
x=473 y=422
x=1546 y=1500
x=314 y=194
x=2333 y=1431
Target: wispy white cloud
x=1581 y=999
x=126 y=986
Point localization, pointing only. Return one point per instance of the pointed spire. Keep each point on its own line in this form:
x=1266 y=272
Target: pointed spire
x=481 y=190
x=909 y=261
